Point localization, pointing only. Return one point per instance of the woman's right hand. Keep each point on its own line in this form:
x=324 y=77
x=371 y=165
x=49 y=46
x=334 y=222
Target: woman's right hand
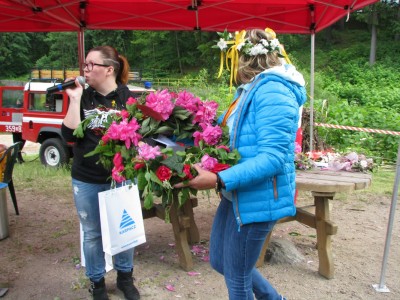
x=74 y=93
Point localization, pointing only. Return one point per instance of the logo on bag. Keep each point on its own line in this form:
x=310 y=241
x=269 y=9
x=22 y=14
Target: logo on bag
x=127 y=223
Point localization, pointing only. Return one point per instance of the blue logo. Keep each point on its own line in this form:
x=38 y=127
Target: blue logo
x=127 y=223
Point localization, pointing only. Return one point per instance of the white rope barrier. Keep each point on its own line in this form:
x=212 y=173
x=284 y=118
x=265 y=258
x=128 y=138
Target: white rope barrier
x=358 y=129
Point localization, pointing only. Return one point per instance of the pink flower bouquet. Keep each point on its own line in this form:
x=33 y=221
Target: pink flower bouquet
x=156 y=140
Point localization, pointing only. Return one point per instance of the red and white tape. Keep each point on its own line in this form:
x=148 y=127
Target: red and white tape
x=358 y=129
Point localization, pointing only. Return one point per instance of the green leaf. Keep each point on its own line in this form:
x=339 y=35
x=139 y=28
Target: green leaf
x=163 y=129
x=154 y=178
x=174 y=162
x=148 y=201
x=142 y=182
x=183 y=196
x=78 y=132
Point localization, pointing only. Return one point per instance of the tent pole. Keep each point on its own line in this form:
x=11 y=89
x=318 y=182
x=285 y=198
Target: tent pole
x=81 y=49
x=381 y=286
x=312 y=91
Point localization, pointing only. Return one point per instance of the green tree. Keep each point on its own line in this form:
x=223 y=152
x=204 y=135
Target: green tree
x=63 y=49
x=14 y=54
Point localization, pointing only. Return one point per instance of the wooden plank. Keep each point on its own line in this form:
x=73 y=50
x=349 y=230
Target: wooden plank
x=317 y=185
x=361 y=180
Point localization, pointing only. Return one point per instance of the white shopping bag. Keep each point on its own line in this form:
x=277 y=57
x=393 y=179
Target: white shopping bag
x=121 y=218
x=107 y=257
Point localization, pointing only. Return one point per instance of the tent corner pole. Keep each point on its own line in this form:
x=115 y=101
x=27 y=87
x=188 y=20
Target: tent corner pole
x=312 y=91
x=81 y=49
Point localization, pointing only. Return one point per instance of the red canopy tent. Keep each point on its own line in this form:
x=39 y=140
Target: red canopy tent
x=284 y=16
x=289 y=16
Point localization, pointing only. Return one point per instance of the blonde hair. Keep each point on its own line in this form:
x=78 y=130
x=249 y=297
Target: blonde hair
x=120 y=63
x=250 y=66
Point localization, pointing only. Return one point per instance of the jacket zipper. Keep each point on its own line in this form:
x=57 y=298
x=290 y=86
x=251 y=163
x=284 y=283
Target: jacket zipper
x=275 y=188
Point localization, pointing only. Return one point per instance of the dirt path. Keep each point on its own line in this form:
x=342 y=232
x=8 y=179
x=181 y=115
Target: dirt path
x=40 y=257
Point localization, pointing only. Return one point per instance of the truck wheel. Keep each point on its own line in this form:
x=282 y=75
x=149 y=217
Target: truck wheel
x=53 y=153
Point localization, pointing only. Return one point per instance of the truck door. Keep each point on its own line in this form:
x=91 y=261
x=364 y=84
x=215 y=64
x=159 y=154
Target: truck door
x=11 y=106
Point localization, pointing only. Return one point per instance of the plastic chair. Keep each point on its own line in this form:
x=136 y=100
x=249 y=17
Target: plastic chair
x=10 y=156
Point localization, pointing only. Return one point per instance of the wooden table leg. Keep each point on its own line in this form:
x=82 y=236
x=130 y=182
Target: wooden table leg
x=180 y=225
x=261 y=257
x=322 y=216
x=193 y=231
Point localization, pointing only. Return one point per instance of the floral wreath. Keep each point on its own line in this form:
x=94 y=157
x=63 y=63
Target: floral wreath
x=231 y=45
x=157 y=139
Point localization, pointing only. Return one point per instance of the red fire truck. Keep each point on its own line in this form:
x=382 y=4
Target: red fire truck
x=30 y=110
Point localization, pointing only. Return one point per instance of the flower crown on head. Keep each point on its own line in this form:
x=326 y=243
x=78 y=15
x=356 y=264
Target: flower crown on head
x=245 y=46
x=231 y=46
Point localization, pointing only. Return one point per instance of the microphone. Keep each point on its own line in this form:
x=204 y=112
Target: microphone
x=65 y=85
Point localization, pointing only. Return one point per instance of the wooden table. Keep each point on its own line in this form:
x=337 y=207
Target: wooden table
x=323 y=185
x=185 y=230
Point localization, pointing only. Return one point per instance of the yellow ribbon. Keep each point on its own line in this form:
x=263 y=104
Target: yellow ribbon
x=283 y=52
x=233 y=55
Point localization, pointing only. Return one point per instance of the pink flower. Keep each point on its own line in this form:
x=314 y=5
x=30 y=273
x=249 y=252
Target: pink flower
x=297 y=147
x=198 y=136
x=105 y=138
x=117 y=160
x=128 y=132
x=226 y=148
x=113 y=131
x=131 y=101
x=124 y=114
x=161 y=102
x=211 y=134
x=116 y=172
x=208 y=163
x=206 y=112
x=188 y=101
x=148 y=152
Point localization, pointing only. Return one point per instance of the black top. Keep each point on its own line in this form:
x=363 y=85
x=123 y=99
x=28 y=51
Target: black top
x=89 y=169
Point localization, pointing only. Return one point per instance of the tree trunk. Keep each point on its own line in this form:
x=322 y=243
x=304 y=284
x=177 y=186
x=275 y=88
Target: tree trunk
x=372 y=54
x=397 y=35
x=178 y=52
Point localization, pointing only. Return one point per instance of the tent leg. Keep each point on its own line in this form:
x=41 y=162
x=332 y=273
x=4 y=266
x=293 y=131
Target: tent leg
x=81 y=49
x=312 y=91
x=381 y=286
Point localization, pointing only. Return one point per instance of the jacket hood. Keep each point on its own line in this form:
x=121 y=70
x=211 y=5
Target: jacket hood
x=287 y=72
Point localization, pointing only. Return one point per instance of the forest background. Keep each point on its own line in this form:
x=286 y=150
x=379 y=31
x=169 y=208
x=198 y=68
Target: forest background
x=357 y=67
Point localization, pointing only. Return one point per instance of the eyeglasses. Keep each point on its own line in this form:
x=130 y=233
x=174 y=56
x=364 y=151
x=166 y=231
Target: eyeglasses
x=90 y=66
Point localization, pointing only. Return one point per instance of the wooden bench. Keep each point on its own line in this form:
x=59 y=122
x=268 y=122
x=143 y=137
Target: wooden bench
x=135 y=76
x=184 y=227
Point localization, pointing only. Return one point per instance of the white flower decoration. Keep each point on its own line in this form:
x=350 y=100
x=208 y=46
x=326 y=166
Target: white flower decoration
x=257 y=50
x=274 y=43
x=222 y=44
x=240 y=45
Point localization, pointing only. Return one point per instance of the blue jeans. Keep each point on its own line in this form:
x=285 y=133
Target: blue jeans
x=234 y=254
x=87 y=205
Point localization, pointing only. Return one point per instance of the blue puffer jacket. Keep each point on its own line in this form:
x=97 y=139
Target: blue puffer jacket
x=264 y=130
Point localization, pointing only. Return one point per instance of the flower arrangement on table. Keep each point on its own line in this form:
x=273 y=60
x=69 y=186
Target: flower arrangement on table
x=156 y=140
x=351 y=162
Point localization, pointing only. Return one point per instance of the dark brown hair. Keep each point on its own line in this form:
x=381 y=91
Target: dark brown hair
x=120 y=63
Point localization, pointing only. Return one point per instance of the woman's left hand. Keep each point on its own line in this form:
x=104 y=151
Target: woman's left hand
x=205 y=180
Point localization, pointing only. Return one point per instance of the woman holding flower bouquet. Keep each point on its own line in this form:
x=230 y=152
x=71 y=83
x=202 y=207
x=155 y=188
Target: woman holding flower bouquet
x=106 y=73
x=260 y=189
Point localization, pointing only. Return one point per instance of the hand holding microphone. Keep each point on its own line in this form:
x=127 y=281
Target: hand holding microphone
x=62 y=86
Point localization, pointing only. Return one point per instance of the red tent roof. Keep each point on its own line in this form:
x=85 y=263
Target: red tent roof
x=284 y=16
